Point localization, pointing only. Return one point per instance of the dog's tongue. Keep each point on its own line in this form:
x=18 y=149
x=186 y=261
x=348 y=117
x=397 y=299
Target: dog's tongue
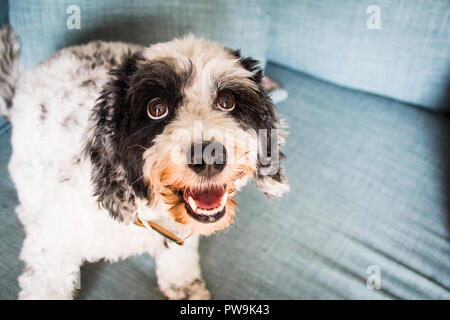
x=207 y=199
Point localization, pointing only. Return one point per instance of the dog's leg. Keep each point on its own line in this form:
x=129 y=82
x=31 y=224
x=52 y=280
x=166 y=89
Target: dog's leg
x=178 y=271
x=50 y=272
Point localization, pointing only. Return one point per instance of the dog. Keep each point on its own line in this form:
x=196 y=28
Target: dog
x=120 y=150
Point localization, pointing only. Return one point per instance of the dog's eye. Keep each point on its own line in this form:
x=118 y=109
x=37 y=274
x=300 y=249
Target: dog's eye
x=225 y=101
x=157 y=109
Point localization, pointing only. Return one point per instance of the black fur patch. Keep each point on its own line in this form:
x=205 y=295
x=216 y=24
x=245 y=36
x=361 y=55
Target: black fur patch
x=123 y=130
x=255 y=110
x=153 y=79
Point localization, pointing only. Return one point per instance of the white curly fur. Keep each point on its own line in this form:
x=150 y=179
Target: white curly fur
x=64 y=224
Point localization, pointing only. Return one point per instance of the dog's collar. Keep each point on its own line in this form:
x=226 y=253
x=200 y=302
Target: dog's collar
x=150 y=225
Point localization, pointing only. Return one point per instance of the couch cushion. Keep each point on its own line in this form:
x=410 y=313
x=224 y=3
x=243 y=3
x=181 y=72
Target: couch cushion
x=42 y=27
x=407 y=59
x=4 y=12
x=368 y=178
x=369 y=187
x=11 y=231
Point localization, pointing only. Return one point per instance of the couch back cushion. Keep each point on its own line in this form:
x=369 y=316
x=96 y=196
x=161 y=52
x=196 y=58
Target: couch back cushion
x=43 y=25
x=400 y=49
x=4 y=12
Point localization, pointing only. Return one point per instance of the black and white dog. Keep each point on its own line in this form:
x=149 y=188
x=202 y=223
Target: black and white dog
x=111 y=139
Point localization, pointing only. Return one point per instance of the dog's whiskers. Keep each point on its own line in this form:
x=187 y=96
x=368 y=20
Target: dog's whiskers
x=137 y=145
x=137 y=180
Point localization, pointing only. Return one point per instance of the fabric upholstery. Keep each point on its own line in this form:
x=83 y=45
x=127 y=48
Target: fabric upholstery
x=4 y=12
x=42 y=26
x=407 y=59
x=11 y=231
x=369 y=186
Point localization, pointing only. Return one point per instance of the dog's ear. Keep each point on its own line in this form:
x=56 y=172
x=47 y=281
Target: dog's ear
x=270 y=177
x=109 y=177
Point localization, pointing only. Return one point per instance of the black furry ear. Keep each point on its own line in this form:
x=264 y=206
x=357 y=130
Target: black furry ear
x=270 y=177
x=108 y=175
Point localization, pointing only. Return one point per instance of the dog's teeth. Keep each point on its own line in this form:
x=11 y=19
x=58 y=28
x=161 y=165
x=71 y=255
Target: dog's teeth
x=224 y=200
x=192 y=204
x=208 y=212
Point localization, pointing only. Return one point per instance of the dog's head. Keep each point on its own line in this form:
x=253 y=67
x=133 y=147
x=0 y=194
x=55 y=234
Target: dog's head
x=184 y=122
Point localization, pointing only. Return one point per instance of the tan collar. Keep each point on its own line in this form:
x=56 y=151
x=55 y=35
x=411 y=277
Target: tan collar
x=160 y=230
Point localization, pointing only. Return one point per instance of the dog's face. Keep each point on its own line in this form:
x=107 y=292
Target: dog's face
x=185 y=122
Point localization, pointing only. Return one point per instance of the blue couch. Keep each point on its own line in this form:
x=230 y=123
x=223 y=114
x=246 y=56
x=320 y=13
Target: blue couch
x=368 y=155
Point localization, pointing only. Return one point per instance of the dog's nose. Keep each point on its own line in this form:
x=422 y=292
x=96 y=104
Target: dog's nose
x=207 y=158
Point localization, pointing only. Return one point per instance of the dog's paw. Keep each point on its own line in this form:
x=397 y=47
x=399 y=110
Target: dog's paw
x=198 y=291
x=195 y=290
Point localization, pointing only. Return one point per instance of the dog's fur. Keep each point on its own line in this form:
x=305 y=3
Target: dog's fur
x=87 y=160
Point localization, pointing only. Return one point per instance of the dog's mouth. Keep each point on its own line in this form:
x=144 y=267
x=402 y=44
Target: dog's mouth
x=205 y=205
